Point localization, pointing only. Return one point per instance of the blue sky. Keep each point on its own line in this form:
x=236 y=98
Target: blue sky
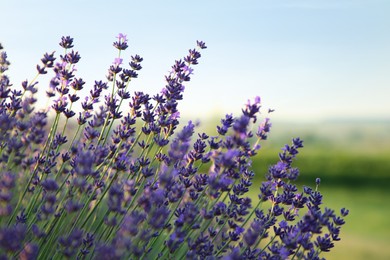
x=308 y=59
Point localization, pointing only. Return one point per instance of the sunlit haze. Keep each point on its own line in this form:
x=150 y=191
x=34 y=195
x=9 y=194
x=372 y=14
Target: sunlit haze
x=306 y=59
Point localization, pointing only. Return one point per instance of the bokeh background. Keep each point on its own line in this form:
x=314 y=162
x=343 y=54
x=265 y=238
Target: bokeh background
x=322 y=65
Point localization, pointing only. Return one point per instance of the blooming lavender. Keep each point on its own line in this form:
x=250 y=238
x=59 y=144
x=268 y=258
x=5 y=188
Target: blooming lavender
x=112 y=175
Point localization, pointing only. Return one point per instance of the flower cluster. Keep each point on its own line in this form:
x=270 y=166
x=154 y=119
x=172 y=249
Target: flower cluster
x=113 y=176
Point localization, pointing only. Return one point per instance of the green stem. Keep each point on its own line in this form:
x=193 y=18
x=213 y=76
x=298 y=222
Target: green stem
x=34 y=172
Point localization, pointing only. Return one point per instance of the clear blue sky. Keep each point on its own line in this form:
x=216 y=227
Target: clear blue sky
x=308 y=59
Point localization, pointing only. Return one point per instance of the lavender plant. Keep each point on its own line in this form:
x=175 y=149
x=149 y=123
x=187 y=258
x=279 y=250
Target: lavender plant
x=113 y=176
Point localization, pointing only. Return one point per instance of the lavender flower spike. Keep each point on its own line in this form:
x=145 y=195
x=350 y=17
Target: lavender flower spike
x=122 y=179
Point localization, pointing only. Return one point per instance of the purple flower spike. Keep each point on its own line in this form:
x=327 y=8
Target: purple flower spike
x=122 y=180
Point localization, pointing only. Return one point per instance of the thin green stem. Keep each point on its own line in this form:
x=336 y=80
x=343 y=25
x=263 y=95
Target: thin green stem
x=34 y=172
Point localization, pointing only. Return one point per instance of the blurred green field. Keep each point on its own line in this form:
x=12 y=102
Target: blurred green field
x=347 y=154
x=366 y=234
x=353 y=161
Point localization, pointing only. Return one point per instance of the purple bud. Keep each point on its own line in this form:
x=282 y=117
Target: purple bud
x=66 y=42
x=49 y=185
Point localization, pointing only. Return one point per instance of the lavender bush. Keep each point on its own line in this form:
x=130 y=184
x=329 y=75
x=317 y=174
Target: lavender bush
x=112 y=176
